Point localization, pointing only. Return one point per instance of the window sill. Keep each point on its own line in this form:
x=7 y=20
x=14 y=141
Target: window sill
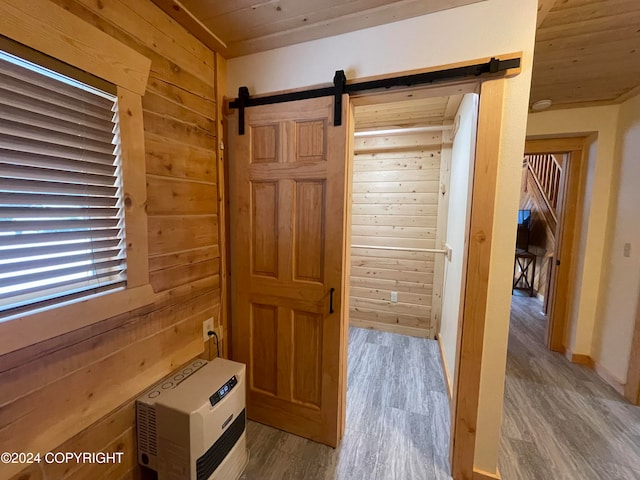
x=33 y=328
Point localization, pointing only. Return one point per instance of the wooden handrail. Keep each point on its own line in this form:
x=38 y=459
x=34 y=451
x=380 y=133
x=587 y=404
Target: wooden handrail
x=402 y=249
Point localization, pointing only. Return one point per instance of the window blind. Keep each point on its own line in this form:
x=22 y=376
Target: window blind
x=61 y=214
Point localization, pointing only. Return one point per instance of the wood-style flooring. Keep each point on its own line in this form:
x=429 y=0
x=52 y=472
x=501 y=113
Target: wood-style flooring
x=561 y=420
x=397 y=424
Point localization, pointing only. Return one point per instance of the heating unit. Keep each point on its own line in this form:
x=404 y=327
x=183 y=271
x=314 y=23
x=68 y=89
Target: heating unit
x=191 y=424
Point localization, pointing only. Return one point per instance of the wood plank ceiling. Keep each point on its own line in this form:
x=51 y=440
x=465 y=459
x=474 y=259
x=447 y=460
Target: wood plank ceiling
x=587 y=51
x=241 y=27
x=407 y=114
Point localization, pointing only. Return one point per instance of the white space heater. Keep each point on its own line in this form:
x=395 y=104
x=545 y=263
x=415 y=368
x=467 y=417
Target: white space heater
x=191 y=425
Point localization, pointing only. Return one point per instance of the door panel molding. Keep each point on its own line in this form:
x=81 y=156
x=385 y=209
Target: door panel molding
x=288 y=176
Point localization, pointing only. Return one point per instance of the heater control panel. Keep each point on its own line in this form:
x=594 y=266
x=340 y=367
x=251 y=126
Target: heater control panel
x=223 y=391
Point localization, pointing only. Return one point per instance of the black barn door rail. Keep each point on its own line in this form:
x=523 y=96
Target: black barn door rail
x=341 y=87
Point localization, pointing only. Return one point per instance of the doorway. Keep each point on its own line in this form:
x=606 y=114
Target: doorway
x=466 y=378
x=547 y=395
x=548 y=225
x=397 y=390
x=401 y=164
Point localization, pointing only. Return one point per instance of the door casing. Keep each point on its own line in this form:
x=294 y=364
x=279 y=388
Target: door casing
x=569 y=225
x=470 y=346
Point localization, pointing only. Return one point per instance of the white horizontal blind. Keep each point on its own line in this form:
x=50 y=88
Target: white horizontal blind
x=61 y=215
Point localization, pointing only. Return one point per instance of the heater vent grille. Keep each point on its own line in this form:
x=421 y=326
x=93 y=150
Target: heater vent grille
x=213 y=457
x=147 y=429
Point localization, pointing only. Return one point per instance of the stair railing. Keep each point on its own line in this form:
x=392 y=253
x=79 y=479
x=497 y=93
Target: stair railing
x=546 y=172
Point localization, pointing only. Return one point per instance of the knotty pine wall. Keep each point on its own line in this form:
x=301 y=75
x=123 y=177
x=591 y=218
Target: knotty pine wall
x=396 y=184
x=75 y=392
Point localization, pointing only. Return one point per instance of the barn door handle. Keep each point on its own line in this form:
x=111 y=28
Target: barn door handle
x=331 y=300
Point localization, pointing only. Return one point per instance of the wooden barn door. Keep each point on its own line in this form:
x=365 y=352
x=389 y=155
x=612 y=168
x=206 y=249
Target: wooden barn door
x=288 y=206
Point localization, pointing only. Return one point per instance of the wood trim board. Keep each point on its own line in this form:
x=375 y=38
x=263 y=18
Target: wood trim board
x=176 y=10
x=481 y=475
x=37 y=327
x=445 y=89
x=626 y=96
x=391 y=328
x=346 y=268
x=441 y=229
x=223 y=210
x=632 y=387
x=555 y=145
x=445 y=368
x=134 y=180
x=505 y=74
x=580 y=359
x=544 y=7
x=561 y=292
x=467 y=384
x=44 y=26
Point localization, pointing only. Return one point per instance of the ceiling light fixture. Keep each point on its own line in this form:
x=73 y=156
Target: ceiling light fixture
x=402 y=131
x=541 y=105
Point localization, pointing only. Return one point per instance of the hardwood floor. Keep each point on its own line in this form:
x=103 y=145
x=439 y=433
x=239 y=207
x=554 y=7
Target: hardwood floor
x=561 y=421
x=397 y=420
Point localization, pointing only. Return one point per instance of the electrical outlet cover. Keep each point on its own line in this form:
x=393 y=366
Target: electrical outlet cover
x=207 y=326
x=394 y=297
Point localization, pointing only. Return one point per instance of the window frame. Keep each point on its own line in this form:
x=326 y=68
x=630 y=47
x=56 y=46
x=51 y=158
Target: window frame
x=47 y=29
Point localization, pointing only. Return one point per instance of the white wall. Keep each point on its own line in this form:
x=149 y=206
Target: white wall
x=603 y=312
x=474 y=31
x=599 y=192
x=462 y=159
x=484 y=29
x=619 y=291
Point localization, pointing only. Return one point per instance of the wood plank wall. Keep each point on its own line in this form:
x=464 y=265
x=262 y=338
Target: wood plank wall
x=396 y=183
x=75 y=392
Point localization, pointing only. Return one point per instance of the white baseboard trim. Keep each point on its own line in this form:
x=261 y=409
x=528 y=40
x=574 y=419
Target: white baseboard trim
x=597 y=367
x=445 y=369
x=609 y=377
